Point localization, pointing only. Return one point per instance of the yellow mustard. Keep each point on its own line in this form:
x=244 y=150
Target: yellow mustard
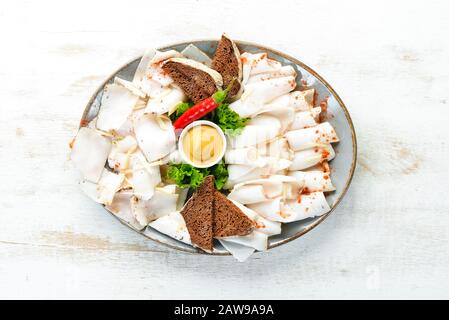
x=202 y=144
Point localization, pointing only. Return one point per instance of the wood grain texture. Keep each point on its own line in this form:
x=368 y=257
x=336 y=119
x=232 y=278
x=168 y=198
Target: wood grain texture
x=389 y=238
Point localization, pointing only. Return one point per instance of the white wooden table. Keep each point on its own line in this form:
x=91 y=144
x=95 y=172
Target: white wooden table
x=389 y=61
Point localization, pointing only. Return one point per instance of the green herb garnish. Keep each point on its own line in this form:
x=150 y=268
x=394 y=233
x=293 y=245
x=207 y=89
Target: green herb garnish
x=228 y=120
x=186 y=175
x=220 y=173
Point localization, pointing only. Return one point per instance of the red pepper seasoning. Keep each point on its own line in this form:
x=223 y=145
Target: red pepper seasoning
x=201 y=109
x=325 y=154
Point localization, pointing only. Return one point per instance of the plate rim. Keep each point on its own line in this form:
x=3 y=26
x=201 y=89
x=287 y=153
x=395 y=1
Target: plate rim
x=285 y=56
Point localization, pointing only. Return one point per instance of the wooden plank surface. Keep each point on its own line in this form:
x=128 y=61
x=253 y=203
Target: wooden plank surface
x=389 y=238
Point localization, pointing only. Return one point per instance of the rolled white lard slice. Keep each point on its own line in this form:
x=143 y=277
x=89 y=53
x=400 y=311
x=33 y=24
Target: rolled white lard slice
x=256 y=95
x=242 y=173
x=155 y=136
x=260 y=129
x=255 y=239
x=321 y=167
x=308 y=138
x=277 y=148
x=270 y=228
x=239 y=173
x=299 y=100
x=165 y=101
x=285 y=115
x=262 y=64
x=247 y=156
x=173 y=225
x=306 y=206
x=284 y=71
x=289 y=210
x=104 y=191
x=194 y=53
x=89 y=153
x=160 y=204
x=257 y=63
x=272 y=187
x=238 y=251
x=248 y=194
x=144 y=177
x=305 y=119
x=308 y=158
x=276 y=164
x=270 y=209
x=121 y=208
x=252 y=135
x=117 y=103
x=314 y=181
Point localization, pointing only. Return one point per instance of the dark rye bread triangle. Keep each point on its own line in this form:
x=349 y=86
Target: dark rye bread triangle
x=229 y=220
x=196 y=83
x=227 y=62
x=198 y=214
x=209 y=214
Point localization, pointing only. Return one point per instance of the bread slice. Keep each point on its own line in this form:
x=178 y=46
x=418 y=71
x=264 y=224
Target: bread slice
x=196 y=80
x=209 y=214
x=227 y=62
x=198 y=214
x=229 y=220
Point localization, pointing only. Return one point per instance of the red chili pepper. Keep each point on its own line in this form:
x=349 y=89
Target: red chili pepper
x=202 y=108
